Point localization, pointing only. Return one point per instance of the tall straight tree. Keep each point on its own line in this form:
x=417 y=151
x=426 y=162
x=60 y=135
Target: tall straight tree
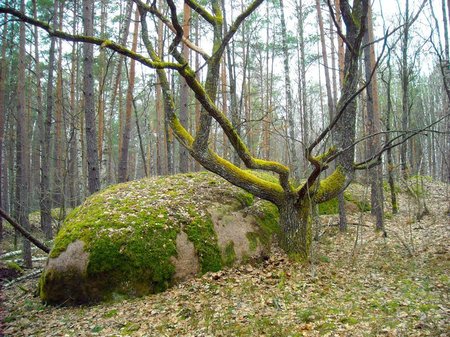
x=115 y=94
x=22 y=154
x=59 y=139
x=289 y=104
x=184 y=91
x=374 y=122
x=341 y=51
x=388 y=123
x=89 y=99
x=405 y=79
x=123 y=160
x=234 y=111
x=3 y=76
x=354 y=17
x=39 y=107
x=330 y=102
x=302 y=72
x=101 y=83
x=46 y=197
x=73 y=175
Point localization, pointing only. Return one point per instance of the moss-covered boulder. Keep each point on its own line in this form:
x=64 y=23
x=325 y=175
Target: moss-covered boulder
x=143 y=236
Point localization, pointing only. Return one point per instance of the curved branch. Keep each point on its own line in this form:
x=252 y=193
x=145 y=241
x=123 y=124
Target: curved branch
x=154 y=11
x=178 y=29
x=206 y=157
x=201 y=11
x=237 y=143
x=103 y=43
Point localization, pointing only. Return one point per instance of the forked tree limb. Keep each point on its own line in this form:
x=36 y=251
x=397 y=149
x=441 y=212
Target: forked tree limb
x=24 y=232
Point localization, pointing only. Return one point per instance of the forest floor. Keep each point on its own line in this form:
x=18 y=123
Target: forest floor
x=358 y=283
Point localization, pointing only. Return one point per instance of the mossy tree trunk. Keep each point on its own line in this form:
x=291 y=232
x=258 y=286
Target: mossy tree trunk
x=296 y=227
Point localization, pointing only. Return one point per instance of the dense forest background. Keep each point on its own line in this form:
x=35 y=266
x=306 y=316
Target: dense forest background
x=280 y=81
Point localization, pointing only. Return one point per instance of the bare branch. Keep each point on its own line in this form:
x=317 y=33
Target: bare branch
x=376 y=158
x=178 y=29
x=24 y=232
x=325 y=132
x=154 y=11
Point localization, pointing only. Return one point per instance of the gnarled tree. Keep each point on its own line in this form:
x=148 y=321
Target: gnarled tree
x=294 y=202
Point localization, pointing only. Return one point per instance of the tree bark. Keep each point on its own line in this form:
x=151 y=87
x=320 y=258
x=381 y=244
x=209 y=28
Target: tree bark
x=73 y=181
x=116 y=87
x=3 y=76
x=289 y=105
x=184 y=92
x=373 y=125
x=330 y=103
x=46 y=197
x=123 y=160
x=404 y=70
x=341 y=50
x=89 y=99
x=59 y=139
x=38 y=126
x=22 y=159
x=390 y=161
x=296 y=227
x=344 y=131
x=101 y=91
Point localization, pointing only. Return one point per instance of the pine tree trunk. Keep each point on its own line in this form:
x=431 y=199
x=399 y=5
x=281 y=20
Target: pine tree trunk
x=161 y=140
x=223 y=81
x=59 y=140
x=46 y=197
x=74 y=194
x=22 y=158
x=341 y=54
x=390 y=161
x=116 y=91
x=405 y=93
x=123 y=160
x=38 y=127
x=3 y=76
x=302 y=94
x=325 y=62
x=289 y=104
x=184 y=93
x=89 y=103
x=102 y=79
x=374 y=124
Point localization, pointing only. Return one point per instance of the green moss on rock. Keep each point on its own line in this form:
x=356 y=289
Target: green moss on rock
x=329 y=207
x=129 y=233
x=229 y=256
x=200 y=231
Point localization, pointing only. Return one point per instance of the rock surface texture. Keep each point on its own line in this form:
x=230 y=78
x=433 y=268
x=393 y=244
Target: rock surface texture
x=143 y=236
